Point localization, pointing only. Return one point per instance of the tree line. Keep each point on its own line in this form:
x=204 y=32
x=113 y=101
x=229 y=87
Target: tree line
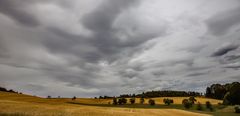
x=153 y=94
x=165 y=93
x=5 y=90
x=229 y=93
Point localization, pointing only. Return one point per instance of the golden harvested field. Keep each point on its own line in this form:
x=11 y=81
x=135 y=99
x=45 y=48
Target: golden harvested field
x=35 y=106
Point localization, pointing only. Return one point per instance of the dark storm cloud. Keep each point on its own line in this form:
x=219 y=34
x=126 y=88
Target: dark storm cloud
x=15 y=11
x=100 y=22
x=196 y=74
x=224 y=50
x=109 y=47
x=103 y=44
x=235 y=65
x=232 y=57
x=220 y=23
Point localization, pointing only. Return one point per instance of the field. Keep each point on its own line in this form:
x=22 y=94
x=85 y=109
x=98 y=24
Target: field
x=12 y=104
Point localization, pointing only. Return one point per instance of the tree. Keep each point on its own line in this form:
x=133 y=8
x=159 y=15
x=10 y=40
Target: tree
x=74 y=98
x=187 y=103
x=167 y=101
x=49 y=97
x=122 y=101
x=115 y=102
x=199 y=106
x=192 y=99
x=209 y=106
x=151 y=102
x=142 y=100
x=132 y=100
x=233 y=95
x=3 y=89
x=208 y=92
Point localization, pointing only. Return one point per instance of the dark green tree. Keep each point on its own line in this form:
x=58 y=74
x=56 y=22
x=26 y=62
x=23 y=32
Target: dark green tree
x=74 y=98
x=232 y=97
x=142 y=100
x=167 y=101
x=192 y=99
x=151 y=102
x=209 y=106
x=132 y=100
x=199 y=106
x=115 y=102
x=187 y=103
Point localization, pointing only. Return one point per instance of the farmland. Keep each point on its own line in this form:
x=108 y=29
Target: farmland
x=12 y=104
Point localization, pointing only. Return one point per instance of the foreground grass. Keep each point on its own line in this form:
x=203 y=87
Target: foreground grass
x=12 y=114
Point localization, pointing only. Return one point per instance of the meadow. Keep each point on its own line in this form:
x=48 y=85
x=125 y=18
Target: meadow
x=12 y=104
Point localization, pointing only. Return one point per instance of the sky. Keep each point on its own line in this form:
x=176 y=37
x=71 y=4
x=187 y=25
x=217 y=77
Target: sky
x=88 y=48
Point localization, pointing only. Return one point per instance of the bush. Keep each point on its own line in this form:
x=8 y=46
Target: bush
x=237 y=109
x=184 y=101
x=187 y=103
x=115 y=101
x=192 y=99
x=151 y=102
x=142 y=100
x=209 y=106
x=132 y=100
x=122 y=101
x=167 y=101
x=74 y=98
x=199 y=106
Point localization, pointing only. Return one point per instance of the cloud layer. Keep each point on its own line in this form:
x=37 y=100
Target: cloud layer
x=105 y=47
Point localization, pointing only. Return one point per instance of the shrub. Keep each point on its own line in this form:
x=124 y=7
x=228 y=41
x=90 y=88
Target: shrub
x=115 y=101
x=237 y=109
x=122 y=101
x=187 y=103
x=192 y=99
x=209 y=106
x=199 y=106
x=74 y=98
x=167 y=101
x=142 y=100
x=184 y=101
x=132 y=100
x=151 y=102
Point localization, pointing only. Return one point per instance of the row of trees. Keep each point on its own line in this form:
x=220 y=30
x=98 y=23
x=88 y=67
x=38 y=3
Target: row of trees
x=166 y=93
x=121 y=101
x=188 y=103
x=10 y=90
x=229 y=93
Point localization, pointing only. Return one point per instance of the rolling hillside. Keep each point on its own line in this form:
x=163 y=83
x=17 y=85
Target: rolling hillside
x=13 y=104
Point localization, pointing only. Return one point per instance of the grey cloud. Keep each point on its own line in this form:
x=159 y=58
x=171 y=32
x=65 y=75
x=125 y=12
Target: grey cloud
x=133 y=46
x=14 y=9
x=196 y=74
x=100 y=21
x=224 y=50
x=235 y=65
x=232 y=57
x=105 y=38
x=220 y=23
